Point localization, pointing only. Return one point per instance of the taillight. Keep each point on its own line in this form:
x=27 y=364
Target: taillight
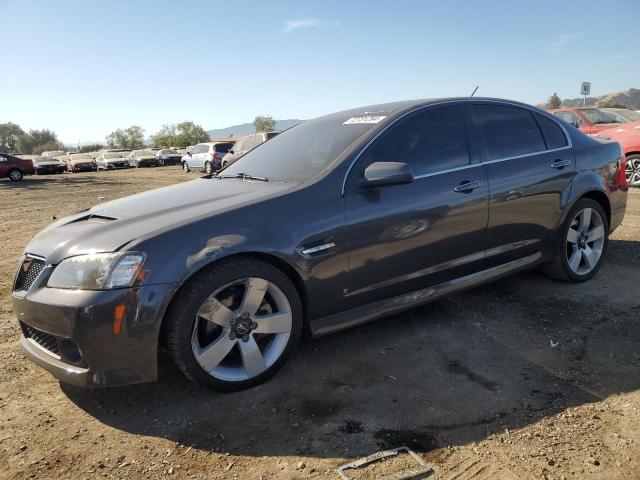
x=217 y=155
x=622 y=173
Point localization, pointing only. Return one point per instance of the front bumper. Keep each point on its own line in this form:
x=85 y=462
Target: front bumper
x=83 y=167
x=82 y=348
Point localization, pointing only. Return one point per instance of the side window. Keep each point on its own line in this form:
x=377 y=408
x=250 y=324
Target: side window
x=553 y=134
x=431 y=141
x=508 y=131
x=3 y=158
x=198 y=149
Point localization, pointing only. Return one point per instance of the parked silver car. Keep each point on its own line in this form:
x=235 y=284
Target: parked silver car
x=245 y=145
x=111 y=161
x=143 y=158
x=206 y=157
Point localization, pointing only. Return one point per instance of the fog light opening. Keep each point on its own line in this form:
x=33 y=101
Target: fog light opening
x=69 y=351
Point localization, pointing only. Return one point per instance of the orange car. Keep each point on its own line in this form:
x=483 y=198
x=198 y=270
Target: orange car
x=628 y=136
x=589 y=120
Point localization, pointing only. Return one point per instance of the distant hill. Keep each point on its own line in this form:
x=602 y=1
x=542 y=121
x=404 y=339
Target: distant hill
x=248 y=128
x=629 y=98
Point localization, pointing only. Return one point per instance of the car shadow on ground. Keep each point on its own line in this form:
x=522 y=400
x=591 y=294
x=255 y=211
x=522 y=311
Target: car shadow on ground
x=500 y=356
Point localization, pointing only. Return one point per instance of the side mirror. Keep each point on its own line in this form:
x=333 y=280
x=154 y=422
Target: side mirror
x=387 y=173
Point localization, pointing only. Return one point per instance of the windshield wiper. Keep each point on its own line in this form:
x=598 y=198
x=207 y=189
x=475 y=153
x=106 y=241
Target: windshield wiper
x=243 y=176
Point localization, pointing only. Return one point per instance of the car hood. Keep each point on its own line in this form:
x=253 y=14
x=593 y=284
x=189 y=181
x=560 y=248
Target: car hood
x=112 y=225
x=47 y=163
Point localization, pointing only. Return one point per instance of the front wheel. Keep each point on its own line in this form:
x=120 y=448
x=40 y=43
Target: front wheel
x=15 y=175
x=185 y=167
x=234 y=325
x=581 y=243
x=633 y=170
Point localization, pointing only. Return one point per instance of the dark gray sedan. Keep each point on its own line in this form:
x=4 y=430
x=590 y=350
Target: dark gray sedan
x=337 y=221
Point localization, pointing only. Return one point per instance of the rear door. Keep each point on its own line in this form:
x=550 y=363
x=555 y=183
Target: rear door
x=197 y=156
x=404 y=237
x=530 y=166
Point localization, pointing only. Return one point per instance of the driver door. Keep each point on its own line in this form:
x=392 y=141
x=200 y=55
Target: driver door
x=405 y=237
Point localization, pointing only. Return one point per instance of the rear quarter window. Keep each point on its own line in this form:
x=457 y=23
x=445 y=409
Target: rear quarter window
x=553 y=134
x=508 y=131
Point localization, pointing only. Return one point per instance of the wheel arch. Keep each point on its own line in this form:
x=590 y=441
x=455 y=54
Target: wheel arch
x=274 y=260
x=600 y=197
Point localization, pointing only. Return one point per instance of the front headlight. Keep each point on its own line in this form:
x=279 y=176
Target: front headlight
x=97 y=271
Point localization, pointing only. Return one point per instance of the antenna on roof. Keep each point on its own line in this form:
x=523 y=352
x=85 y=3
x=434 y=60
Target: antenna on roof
x=475 y=90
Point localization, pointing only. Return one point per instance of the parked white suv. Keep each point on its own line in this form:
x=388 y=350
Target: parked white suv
x=206 y=157
x=245 y=145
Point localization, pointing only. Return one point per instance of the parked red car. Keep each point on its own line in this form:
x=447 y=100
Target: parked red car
x=589 y=120
x=628 y=136
x=15 y=168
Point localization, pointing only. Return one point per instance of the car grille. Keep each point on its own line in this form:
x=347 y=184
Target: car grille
x=46 y=341
x=28 y=273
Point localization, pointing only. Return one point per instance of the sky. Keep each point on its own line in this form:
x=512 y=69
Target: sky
x=85 y=68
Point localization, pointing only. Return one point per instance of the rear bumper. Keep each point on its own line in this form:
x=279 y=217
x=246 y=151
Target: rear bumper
x=79 y=325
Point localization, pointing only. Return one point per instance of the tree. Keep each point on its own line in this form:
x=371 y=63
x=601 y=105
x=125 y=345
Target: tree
x=264 y=123
x=132 y=138
x=38 y=141
x=9 y=133
x=554 y=101
x=94 y=147
x=181 y=135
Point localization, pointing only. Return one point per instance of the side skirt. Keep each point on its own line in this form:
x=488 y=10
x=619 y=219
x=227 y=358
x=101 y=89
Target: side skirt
x=382 y=308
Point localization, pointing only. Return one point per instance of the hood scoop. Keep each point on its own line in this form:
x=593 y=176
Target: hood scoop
x=93 y=218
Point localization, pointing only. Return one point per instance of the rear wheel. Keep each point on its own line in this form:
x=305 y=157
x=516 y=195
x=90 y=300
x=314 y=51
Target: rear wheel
x=208 y=169
x=185 y=167
x=233 y=325
x=15 y=175
x=633 y=170
x=581 y=243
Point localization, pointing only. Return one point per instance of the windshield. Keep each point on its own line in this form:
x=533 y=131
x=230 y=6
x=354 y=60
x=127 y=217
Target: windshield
x=44 y=159
x=112 y=155
x=80 y=156
x=143 y=153
x=595 y=116
x=167 y=151
x=302 y=151
x=625 y=115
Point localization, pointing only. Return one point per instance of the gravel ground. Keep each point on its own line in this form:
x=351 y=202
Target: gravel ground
x=524 y=378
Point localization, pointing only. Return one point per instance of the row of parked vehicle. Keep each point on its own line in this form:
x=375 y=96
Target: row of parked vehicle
x=207 y=157
x=618 y=124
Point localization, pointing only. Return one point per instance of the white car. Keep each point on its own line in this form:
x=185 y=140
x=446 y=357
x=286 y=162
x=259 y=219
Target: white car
x=206 y=157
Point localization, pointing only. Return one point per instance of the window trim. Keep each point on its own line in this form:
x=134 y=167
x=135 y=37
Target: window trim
x=466 y=101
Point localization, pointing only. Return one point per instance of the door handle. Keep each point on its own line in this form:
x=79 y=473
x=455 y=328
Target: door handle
x=560 y=163
x=467 y=186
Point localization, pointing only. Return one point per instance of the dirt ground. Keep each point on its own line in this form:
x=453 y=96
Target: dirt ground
x=524 y=378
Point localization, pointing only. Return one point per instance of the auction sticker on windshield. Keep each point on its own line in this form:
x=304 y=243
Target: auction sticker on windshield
x=365 y=119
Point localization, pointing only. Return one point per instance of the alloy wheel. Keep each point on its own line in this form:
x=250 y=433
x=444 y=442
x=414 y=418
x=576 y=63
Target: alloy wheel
x=241 y=329
x=633 y=171
x=585 y=241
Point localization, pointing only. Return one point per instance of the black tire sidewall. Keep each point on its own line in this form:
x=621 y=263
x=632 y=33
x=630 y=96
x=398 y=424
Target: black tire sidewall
x=581 y=205
x=185 y=167
x=182 y=316
x=13 y=171
x=208 y=168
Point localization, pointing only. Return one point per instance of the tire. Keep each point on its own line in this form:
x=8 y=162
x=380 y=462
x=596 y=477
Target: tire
x=220 y=293
x=577 y=257
x=185 y=167
x=15 y=175
x=208 y=168
x=633 y=170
